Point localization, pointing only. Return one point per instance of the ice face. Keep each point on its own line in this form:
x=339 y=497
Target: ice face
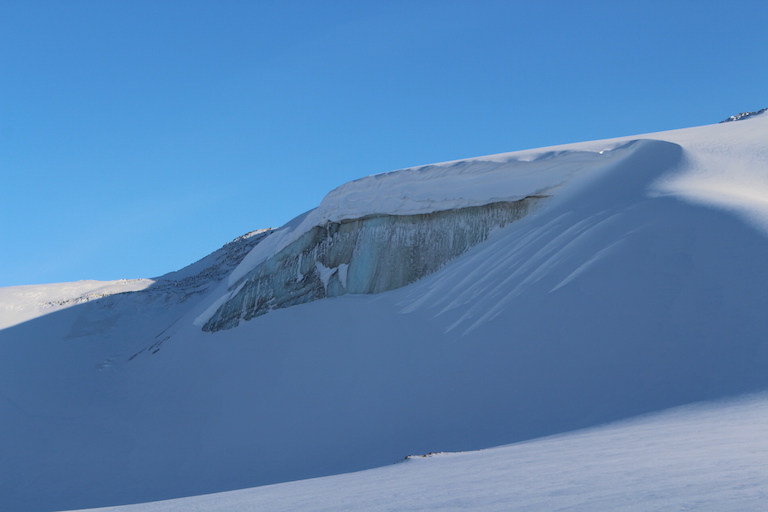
x=372 y=254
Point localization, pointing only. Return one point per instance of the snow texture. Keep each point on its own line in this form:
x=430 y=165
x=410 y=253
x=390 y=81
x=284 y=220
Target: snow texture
x=638 y=285
x=439 y=187
x=703 y=457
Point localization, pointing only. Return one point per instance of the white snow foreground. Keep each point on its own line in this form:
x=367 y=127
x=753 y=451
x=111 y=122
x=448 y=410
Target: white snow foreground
x=702 y=457
x=638 y=285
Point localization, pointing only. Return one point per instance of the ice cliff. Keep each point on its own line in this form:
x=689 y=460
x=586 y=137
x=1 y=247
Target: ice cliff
x=388 y=230
x=638 y=284
x=367 y=255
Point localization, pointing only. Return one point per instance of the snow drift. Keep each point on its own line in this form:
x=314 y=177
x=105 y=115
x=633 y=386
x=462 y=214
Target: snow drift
x=637 y=285
x=702 y=457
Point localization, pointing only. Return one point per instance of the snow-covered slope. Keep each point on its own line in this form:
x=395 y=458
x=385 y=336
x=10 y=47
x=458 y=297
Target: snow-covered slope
x=703 y=457
x=638 y=284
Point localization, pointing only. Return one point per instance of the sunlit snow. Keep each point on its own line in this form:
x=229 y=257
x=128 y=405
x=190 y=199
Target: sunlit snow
x=554 y=345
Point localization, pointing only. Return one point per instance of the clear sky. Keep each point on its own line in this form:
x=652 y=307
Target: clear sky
x=138 y=136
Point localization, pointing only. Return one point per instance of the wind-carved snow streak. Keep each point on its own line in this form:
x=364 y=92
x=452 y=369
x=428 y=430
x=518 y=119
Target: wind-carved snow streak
x=561 y=246
x=368 y=255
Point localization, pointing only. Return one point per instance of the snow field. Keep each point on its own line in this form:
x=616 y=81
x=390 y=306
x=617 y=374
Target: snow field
x=639 y=286
x=702 y=457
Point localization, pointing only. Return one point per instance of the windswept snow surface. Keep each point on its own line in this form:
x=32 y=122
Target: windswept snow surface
x=438 y=187
x=639 y=285
x=21 y=303
x=704 y=457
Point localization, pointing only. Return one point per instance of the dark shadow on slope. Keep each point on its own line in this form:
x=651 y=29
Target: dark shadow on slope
x=609 y=305
x=56 y=368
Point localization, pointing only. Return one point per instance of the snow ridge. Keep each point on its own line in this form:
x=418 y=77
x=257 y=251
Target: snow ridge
x=638 y=285
x=283 y=271
x=438 y=187
x=744 y=115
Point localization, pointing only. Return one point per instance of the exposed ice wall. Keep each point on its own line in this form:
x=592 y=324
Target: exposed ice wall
x=367 y=255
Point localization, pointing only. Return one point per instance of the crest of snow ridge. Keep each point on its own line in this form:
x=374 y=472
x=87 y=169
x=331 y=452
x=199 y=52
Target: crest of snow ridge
x=389 y=230
x=744 y=115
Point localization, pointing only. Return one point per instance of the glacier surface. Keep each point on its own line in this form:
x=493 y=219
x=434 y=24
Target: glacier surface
x=388 y=230
x=638 y=285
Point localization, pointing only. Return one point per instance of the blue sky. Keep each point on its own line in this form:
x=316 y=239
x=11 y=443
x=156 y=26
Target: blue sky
x=138 y=136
